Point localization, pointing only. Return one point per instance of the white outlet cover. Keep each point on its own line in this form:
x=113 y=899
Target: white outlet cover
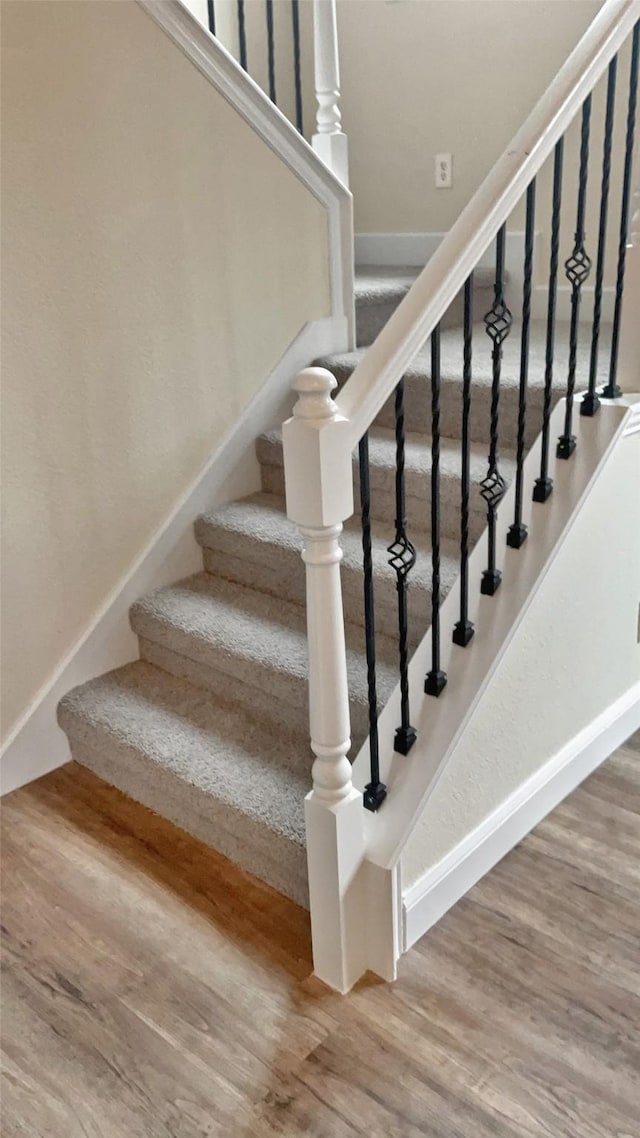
x=443 y=171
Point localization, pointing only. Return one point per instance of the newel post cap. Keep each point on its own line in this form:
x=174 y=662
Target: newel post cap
x=317 y=454
x=314 y=386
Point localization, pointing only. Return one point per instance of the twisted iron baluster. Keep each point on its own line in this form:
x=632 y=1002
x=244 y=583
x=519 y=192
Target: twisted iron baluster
x=543 y=484
x=612 y=391
x=517 y=534
x=590 y=402
x=463 y=629
x=271 y=55
x=402 y=560
x=242 y=35
x=212 y=17
x=435 y=679
x=375 y=791
x=577 y=269
x=295 y=20
x=498 y=323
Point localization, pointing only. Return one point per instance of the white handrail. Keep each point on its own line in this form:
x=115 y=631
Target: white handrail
x=385 y=362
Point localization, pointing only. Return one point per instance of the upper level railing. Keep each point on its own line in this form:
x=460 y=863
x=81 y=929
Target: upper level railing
x=320 y=437
x=328 y=139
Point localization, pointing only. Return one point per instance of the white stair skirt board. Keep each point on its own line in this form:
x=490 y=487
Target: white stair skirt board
x=425 y=902
x=415 y=249
x=37 y=745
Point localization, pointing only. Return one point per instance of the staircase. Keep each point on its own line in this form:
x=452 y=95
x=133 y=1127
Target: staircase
x=210 y=727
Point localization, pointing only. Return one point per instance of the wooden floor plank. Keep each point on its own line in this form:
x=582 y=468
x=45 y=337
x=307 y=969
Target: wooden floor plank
x=153 y=990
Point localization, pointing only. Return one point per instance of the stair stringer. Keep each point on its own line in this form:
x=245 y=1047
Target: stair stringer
x=442 y=722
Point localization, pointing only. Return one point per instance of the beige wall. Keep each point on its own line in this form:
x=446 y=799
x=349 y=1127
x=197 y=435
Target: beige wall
x=423 y=76
x=157 y=261
x=582 y=632
x=441 y=75
x=461 y=76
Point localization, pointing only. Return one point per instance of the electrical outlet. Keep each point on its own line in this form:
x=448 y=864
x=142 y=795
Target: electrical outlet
x=444 y=171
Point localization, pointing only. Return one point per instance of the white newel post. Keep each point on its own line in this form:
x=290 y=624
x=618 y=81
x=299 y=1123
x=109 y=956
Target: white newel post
x=329 y=141
x=319 y=490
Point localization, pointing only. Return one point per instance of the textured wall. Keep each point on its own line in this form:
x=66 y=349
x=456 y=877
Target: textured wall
x=157 y=261
x=442 y=75
x=575 y=652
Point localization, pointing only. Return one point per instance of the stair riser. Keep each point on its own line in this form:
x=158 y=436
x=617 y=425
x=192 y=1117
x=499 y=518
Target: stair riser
x=284 y=577
x=276 y=698
x=271 y=857
x=418 y=410
x=371 y=317
x=418 y=413
x=418 y=500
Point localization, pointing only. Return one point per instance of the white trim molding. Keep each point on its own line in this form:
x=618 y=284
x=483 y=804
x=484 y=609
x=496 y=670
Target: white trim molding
x=37 y=745
x=395 y=249
x=425 y=902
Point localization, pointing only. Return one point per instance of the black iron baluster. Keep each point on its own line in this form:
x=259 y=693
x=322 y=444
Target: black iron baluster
x=271 y=51
x=435 y=679
x=375 y=791
x=402 y=560
x=297 y=78
x=242 y=35
x=517 y=534
x=612 y=391
x=463 y=629
x=590 y=401
x=544 y=485
x=211 y=16
x=498 y=321
x=577 y=269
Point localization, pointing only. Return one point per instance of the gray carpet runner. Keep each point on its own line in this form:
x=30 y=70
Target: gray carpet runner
x=209 y=727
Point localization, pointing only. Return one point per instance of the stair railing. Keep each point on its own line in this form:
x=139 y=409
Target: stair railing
x=329 y=140
x=322 y=434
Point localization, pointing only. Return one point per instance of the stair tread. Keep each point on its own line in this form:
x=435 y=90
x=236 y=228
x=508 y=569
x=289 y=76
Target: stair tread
x=451 y=348
x=187 y=733
x=382 y=453
x=384 y=284
x=263 y=518
x=221 y=623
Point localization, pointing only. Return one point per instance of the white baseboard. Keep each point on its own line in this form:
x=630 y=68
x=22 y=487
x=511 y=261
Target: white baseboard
x=396 y=249
x=425 y=902
x=37 y=745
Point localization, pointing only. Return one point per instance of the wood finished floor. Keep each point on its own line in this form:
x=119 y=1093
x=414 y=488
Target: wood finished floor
x=152 y=990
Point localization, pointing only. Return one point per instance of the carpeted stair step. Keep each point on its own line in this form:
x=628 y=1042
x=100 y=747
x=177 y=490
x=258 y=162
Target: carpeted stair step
x=380 y=289
x=253 y=543
x=206 y=766
x=382 y=470
x=234 y=640
x=418 y=386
